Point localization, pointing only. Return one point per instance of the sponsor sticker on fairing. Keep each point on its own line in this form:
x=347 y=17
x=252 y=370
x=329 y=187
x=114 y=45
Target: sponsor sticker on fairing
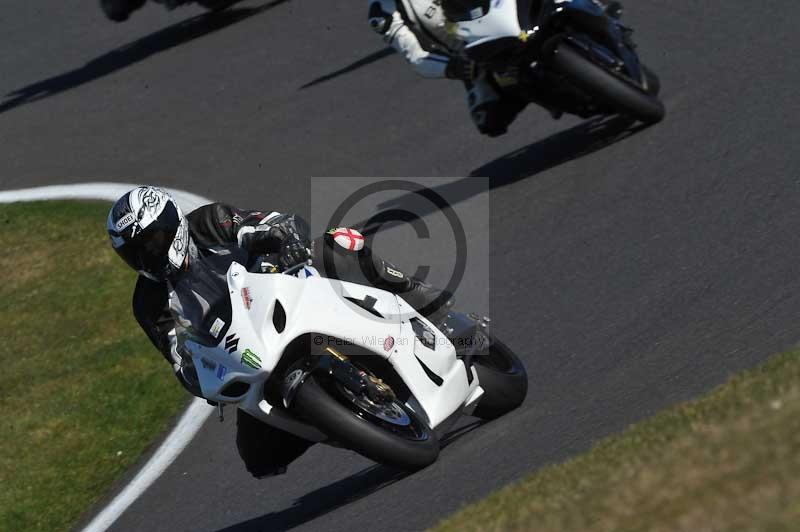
x=388 y=343
x=221 y=372
x=216 y=327
x=251 y=359
x=246 y=299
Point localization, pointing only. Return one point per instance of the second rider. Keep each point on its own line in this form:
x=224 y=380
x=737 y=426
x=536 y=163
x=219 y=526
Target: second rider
x=418 y=29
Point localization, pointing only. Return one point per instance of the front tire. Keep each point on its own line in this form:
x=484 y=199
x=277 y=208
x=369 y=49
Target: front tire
x=611 y=90
x=331 y=410
x=503 y=378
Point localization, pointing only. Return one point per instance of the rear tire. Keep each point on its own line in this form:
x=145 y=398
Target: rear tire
x=613 y=91
x=503 y=378
x=343 y=424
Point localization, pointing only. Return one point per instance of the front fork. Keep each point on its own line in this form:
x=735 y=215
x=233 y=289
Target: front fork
x=338 y=367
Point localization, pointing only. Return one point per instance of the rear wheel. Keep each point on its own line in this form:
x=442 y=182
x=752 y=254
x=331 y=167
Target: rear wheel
x=619 y=94
x=503 y=378
x=388 y=431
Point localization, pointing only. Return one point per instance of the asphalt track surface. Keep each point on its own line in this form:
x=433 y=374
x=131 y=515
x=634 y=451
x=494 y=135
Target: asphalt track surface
x=631 y=269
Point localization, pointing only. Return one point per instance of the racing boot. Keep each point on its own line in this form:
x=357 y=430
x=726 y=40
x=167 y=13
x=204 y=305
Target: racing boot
x=431 y=302
x=370 y=269
x=491 y=111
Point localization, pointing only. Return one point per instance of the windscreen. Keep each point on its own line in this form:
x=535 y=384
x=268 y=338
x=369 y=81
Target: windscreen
x=463 y=10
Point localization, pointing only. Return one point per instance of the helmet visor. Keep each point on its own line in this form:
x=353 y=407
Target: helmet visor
x=148 y=250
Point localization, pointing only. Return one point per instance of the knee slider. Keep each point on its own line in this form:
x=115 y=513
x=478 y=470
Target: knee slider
x=347 y=238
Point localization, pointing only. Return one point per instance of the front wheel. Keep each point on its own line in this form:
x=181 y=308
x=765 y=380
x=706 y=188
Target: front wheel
x=614 y=91
x=388 y=432
x=503 y=378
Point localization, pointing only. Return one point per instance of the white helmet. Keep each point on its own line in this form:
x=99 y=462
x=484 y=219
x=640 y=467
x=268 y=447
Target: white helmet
x=149 y=231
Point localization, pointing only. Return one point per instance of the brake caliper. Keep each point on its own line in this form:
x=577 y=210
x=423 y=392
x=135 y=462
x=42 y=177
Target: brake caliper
x=358 y=381
x=377 y=390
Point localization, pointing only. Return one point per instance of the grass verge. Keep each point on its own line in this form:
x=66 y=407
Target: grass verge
x=82 y=391
x=729 y=461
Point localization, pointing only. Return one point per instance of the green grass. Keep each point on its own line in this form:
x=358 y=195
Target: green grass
x=82 y=391
x=729 y=461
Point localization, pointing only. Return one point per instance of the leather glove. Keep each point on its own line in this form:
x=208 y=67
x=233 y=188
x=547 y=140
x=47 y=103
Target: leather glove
x=294 y=250
x=460 y=68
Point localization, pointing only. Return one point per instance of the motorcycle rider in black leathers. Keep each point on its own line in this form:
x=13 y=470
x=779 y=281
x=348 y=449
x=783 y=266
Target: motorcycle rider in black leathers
x=418 y=29
x=148 y=230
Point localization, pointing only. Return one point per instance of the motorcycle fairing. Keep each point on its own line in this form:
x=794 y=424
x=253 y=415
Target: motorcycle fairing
x=508 y=24
x=499 y=22
x=603 y=39
x=329 y=309
x=435 y=376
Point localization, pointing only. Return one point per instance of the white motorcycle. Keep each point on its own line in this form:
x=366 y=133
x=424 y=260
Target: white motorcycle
x=569 y=56
x=351 y=365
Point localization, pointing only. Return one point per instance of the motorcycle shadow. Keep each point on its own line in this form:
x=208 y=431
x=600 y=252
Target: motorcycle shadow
x=132 y=53
x=364 y=61
x=585 y=138
x=324 y=500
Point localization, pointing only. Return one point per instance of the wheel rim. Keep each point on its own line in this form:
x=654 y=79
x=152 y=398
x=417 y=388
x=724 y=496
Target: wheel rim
x=392 y=416
x=389 y=412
